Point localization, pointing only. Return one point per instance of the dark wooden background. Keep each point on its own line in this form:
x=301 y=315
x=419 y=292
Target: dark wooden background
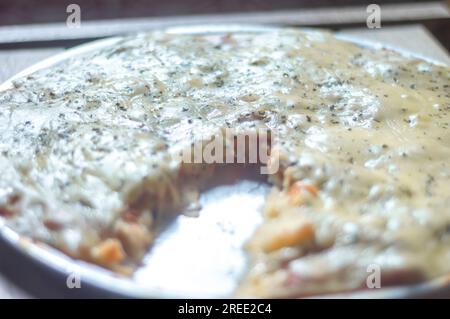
x=20 y=12
x=39 y=11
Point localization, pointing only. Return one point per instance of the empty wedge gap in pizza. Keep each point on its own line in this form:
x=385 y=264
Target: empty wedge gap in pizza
x=156 y=199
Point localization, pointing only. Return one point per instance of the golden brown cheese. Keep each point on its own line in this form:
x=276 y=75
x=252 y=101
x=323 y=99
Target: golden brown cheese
x=87 y=165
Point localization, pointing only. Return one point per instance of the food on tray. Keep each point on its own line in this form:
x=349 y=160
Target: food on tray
x=89 y=153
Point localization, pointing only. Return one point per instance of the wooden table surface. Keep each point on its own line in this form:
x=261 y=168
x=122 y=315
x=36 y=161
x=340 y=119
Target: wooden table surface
x=13 y=58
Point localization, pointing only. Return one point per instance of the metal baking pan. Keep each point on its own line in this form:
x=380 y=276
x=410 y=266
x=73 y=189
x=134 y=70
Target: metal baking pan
x=192 y=257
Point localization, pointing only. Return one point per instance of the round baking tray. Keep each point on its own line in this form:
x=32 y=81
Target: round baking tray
x=45 y=272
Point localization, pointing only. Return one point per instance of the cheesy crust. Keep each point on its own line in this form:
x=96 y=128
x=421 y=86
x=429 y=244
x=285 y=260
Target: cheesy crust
x=88 y=153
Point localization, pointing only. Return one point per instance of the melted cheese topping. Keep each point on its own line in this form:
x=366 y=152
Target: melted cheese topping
x=84 y=142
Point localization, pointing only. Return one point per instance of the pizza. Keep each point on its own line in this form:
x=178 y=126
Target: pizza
x=90 y=154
